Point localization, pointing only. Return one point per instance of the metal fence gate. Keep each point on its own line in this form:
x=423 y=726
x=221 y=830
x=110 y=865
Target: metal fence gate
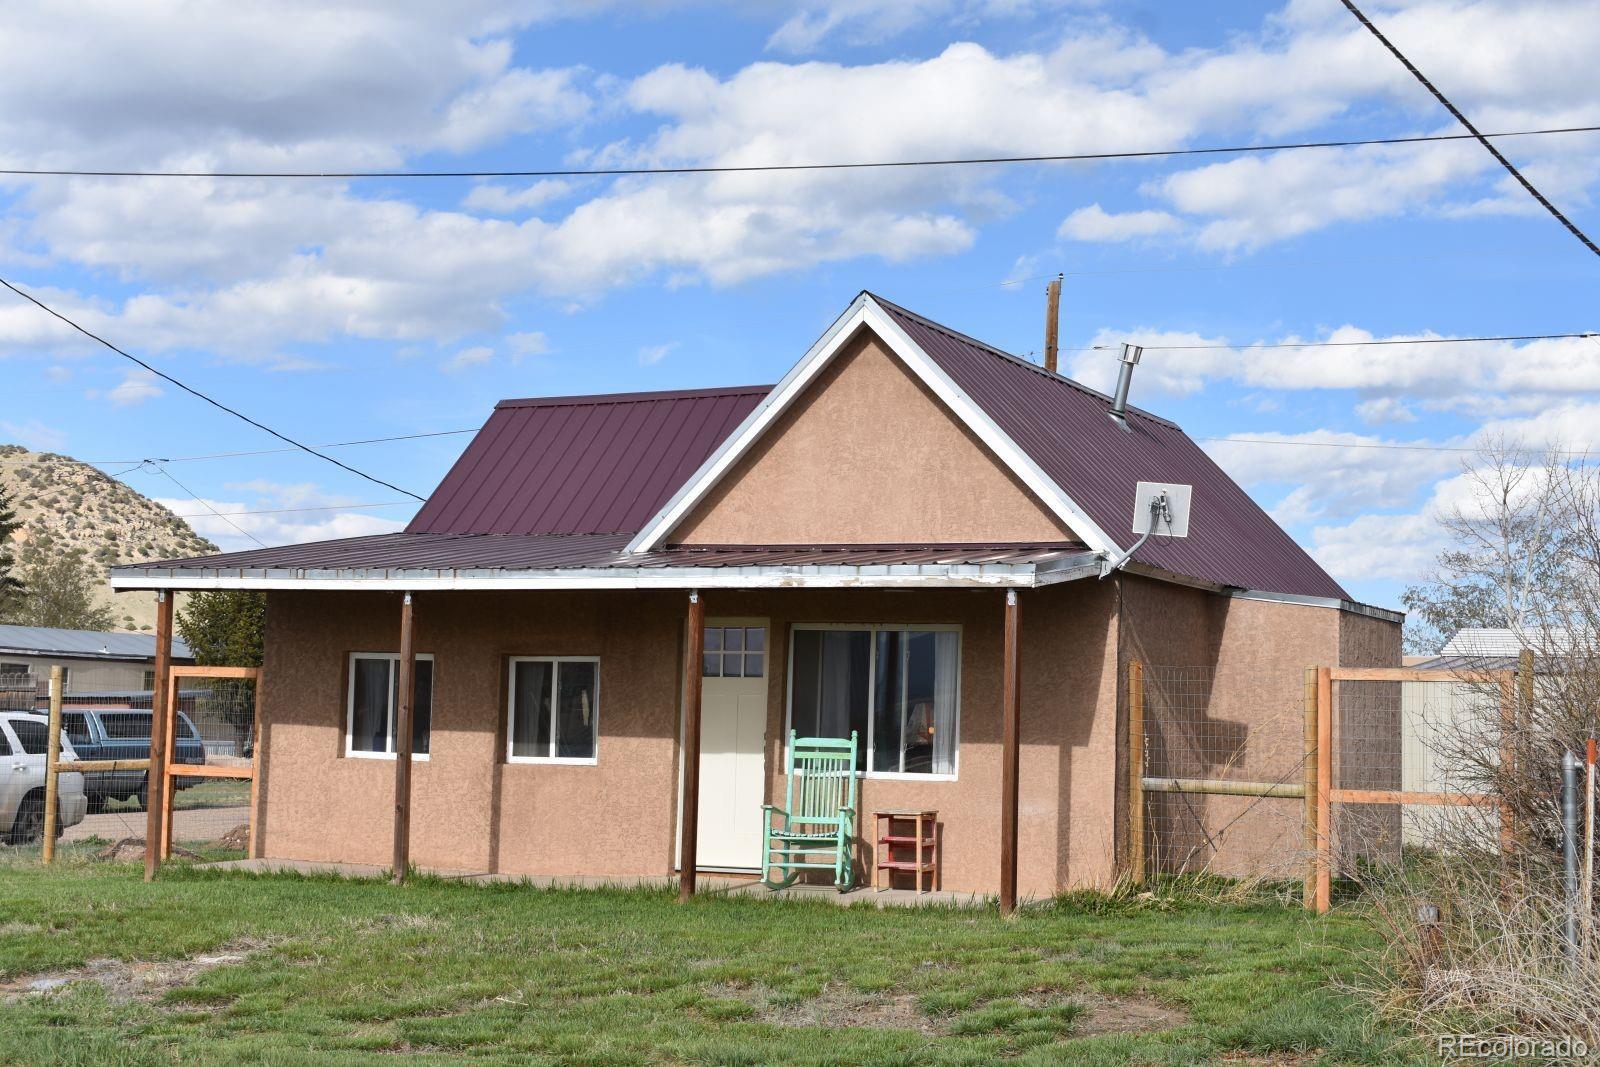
x=1220 y=766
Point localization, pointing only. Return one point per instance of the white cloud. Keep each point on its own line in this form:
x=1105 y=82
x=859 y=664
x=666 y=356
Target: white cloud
x=1384 y=409
x=1479 y=377
x=1256 y=200
x=517 y=101
x=1094 y=223
x=526 y=345
x=1333 y=473
x=35 y=435
x=500 y=200
x=135 y=388
x=870 y=21
x=273 y=514
x=650 y=355
x=242 y=268
x=475 y=356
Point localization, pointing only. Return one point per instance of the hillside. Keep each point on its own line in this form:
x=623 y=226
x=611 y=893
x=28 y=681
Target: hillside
x=81 y=507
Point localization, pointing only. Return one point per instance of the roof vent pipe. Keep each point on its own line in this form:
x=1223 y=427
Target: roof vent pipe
x=1119 y=402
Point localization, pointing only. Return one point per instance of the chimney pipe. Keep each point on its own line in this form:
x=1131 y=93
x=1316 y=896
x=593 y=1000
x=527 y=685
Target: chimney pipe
x=1052 y=322
x=1119 y=402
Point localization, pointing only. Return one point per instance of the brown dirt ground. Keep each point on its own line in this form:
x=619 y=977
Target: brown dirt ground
x=130 y=980
x=839 y=1005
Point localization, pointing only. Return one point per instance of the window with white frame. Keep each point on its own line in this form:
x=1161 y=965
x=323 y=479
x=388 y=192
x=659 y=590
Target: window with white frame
x=373 y=697
x=897 y=687
x=554 y=713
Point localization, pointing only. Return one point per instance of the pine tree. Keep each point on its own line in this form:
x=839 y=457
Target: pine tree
x=224 y=627
x=11 y=586
x=61 y=588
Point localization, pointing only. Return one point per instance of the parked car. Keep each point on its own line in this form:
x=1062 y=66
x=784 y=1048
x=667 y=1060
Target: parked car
x=23 y=741
x=124 y=733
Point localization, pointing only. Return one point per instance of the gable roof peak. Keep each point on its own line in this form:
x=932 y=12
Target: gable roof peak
x=1000 y=353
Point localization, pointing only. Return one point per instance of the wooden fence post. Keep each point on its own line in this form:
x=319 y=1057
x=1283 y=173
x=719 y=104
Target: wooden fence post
x=52 y=756
x=1136 y=827
x=1311 y=758
x=1324 y=786
x=156 y=777
x=1509 y=735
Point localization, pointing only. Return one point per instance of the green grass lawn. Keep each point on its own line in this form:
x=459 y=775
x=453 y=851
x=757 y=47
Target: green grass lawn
x=337 y=971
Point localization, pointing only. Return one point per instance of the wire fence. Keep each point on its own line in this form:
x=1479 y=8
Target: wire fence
x=214 y=731
x=1414 y=755
x=1222 y=773
x=103 y=781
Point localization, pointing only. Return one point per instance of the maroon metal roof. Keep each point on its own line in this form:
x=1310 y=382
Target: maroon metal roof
x=565 y=482
x=582 y=464
x=1064 y=427
x=516 y=552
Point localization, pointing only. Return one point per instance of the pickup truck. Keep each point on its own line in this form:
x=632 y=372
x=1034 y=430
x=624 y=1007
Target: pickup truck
x=100 y=733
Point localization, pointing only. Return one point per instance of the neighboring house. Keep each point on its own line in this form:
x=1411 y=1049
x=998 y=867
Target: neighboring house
x=1442 y=720
x=855 y=532
x=90 y=661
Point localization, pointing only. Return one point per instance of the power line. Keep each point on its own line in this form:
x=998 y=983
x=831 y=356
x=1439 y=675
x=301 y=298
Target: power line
x=288 y=511
x=197 y=393
x=1377 y=444
x=1473 y=130
x=768 y=168
x=198 y=499
x=278 y=451
x=1355 y=344
x=1296 y=264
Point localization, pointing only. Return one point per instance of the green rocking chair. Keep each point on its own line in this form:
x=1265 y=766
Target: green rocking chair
x=818 y=817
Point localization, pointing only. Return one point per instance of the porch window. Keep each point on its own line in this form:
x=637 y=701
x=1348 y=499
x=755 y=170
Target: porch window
x=898 y=687
x=374 y=694
x=554 y=713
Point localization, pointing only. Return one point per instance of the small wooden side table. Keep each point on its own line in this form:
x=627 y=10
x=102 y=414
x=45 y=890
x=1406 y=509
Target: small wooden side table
x=902 y=831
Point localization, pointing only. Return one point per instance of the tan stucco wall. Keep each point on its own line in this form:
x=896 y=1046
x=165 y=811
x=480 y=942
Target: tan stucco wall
x=1239 y=689
x=868 y=456
x=473 y=811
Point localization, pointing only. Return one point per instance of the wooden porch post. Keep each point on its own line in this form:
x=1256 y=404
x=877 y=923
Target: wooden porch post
x=1011 y=712
x=693 y=649
x=406 y=695
x=156 y=776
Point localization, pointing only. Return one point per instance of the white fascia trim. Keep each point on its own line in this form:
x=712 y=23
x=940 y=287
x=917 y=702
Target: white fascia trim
x=1353 y=606
x=866 y=312
x=908 y=576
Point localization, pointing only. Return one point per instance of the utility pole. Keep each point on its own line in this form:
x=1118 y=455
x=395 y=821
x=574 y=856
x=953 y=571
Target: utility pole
x=1052 y=322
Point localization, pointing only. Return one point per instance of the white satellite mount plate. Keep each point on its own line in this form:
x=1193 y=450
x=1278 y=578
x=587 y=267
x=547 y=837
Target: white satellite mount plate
x=1173 y=520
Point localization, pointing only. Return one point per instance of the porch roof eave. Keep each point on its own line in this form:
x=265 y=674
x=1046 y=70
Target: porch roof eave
x=1062 y=568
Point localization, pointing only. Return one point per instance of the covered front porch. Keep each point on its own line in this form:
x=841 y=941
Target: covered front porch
x=558 y=732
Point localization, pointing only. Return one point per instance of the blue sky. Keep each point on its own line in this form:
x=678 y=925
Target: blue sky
x=339 y=310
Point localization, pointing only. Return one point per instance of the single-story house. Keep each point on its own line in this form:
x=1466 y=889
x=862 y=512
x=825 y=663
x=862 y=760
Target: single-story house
x=90 y=661
x=905 y=538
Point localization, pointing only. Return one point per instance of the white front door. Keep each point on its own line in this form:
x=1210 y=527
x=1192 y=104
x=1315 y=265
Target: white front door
x=733 y=727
